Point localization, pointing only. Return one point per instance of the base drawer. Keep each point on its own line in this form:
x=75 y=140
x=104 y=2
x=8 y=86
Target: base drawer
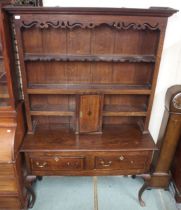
x=55 y=163
x=123 y=161
x=8 y=185
x=12 y=203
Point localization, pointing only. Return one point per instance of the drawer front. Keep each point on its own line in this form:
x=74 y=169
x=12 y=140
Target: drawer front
x=8 y=185
x=57 y=163
x=12 y=203
x=123 y=161
x=6 y=170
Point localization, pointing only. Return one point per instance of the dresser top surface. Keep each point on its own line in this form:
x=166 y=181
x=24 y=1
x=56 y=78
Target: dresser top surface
x=117 y=138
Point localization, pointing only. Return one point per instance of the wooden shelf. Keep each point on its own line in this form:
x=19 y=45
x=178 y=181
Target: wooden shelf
x=52 y=110
x=120 y=110
x=90 y=58
x=88 y=88
x=52 y=113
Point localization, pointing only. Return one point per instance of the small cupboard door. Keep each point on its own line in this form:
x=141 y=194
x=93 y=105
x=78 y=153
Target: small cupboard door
x=90 y=108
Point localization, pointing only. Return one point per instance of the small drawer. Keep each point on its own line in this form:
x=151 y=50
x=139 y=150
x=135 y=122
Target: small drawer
x=8 y=185
x=6 y=169
x=56 y=163
x=123 y=161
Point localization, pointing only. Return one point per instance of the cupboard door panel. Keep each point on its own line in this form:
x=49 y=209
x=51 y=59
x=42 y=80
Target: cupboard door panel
x=90 y=113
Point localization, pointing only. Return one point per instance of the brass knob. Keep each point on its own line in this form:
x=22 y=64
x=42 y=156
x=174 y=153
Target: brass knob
x=121 y=157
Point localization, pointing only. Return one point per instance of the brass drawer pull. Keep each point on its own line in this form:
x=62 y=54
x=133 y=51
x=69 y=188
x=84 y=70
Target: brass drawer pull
x=41 y=165
x=106 y=164
x=121 y=157
x=69 y=164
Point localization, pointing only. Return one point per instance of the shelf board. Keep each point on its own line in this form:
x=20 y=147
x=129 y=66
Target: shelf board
x=53 y=107
x=123 y=110
x=88 y=88
x=52 y=113
x=90 y=58
x=117 y=138
x=52 y=110
x=124 y=114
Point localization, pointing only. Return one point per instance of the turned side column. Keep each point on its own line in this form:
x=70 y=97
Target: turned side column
x=168 y=140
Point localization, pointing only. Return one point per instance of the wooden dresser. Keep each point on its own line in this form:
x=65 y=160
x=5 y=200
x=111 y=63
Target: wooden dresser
x=88 y=77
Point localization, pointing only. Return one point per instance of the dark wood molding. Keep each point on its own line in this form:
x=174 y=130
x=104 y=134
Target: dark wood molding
x=152 y=11
x=91 y=58
x=74 y=25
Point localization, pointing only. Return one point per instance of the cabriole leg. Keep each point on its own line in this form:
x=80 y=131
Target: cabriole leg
x=143 y=188
x=28 y=184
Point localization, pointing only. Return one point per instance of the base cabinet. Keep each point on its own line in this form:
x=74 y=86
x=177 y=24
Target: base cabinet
x=88 y=163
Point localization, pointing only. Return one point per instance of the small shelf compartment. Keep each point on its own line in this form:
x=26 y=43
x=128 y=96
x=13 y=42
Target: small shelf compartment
x=125 y=105
x=52 y=105
x=120 y=110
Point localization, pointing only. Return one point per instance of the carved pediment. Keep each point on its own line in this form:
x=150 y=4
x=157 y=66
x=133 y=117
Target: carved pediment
x=69 y=25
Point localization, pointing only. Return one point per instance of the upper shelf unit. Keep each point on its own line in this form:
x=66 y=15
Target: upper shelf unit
x=110 y=55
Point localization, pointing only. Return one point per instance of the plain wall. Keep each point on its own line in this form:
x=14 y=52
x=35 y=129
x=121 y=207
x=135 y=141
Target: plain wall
x=170 y=68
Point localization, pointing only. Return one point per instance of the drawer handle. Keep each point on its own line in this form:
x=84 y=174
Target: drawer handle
x=121 y=157
x=41 y=165
x=69 y=164
x=106 y=164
